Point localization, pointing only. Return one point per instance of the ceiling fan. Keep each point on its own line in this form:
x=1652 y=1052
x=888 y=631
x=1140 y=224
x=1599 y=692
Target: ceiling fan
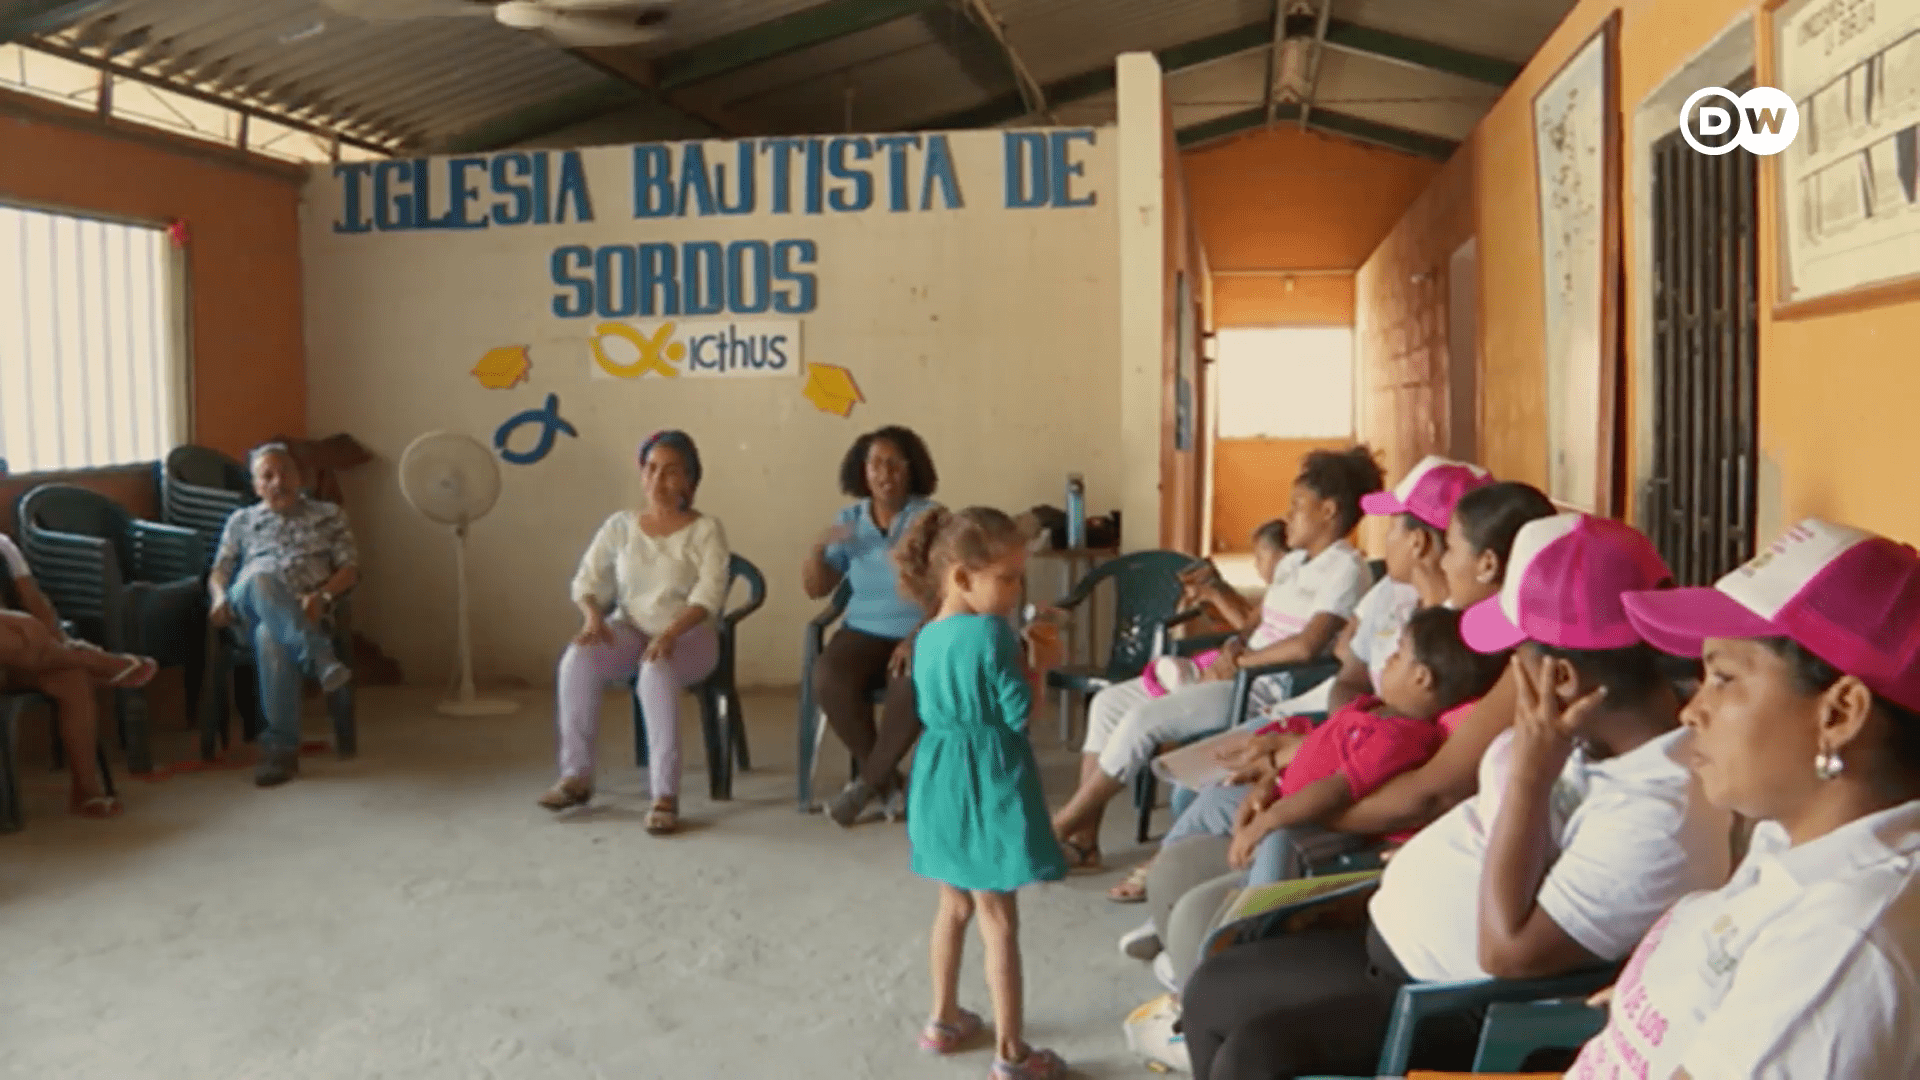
x=573 y=24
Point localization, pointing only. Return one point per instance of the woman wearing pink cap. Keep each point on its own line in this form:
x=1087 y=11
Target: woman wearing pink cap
x=1586 y=827
x=1804 y=964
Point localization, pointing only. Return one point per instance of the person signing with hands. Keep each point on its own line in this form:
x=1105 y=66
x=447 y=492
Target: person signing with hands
x=662 y=572
x=891 y=475
x=280 y=566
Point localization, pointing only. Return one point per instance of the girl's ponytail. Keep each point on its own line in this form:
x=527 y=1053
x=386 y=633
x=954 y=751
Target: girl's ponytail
x=913 y=556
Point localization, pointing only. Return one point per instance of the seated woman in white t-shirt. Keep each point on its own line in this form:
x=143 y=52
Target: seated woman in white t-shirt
x=1587 y=826
x=1314 y=590
x=1419 y=510
x=1807 y=963
x=662 y=572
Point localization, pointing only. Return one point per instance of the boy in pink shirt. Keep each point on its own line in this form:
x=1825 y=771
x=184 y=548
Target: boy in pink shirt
x=1372 y=739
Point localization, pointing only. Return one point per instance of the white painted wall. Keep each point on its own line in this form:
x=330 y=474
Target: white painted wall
x=1141 y=292
x=991 y=330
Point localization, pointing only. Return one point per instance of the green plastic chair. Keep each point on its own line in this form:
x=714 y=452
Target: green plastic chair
x=1523 y=1015
x=199 y=489
x=1146 y=591
x=127 y=585
x=722 y=721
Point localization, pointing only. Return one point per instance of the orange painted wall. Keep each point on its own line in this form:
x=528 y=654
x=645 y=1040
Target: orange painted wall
x=248 y=360
x=1286 y=199
x=1401 y=354
x=1256 y=476
x=1838 y=393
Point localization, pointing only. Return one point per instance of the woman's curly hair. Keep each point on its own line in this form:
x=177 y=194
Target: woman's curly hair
x=922 y=480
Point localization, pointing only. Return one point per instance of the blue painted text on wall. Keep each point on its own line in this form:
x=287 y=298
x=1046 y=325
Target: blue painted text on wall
x=746 y=277
x=847 y=174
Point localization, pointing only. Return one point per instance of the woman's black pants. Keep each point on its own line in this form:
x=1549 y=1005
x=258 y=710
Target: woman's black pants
x=851 y=667
x=1317 y=1002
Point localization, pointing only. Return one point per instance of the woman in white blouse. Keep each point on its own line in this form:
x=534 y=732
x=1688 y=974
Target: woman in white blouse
x=648 y=590
x=1804 y=964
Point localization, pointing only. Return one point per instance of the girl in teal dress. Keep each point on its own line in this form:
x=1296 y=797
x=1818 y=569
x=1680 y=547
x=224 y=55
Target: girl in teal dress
x=975 y=814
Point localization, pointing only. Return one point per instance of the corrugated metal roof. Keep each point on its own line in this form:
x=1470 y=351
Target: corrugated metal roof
x=1058 y=38
x=407 y=82
x=1404 y=97
x=421 y=83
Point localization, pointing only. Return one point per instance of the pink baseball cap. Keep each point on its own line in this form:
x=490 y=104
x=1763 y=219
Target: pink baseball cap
x=1847 y=596
x=1566 y=580
x=1428 y=491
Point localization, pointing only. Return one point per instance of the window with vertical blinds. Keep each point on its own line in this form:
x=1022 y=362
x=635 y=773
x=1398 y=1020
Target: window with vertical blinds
x=90 y=330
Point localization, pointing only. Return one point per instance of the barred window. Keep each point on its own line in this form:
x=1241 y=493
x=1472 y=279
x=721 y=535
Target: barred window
x=92 y=328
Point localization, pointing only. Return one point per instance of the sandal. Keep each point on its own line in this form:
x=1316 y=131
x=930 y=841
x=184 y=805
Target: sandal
x=139 y=671
x=939 y=1038
x=1131 y=889
x=92 y=806
x=1081 y=856
x=664 y=818
x=1037 y=1065
x=566 y=794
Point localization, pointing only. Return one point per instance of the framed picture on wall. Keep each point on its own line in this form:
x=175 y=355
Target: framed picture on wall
x=1185 y=368
x=1846 y=197
x=1576 y=143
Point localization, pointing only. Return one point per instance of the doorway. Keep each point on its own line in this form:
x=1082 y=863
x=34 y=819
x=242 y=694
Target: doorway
x=1698 y=503
x=1282 y=393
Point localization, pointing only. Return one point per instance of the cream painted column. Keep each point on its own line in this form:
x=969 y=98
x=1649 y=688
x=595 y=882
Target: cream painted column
x=1142 y=153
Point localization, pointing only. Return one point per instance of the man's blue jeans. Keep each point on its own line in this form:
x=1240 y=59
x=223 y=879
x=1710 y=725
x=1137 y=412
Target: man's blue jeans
x=286 y=646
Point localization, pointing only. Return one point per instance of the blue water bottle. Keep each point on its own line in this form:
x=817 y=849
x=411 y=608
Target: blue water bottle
x=1076 y=512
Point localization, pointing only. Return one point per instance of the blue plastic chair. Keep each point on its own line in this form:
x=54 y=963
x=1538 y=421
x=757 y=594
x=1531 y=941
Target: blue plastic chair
x=722 y=721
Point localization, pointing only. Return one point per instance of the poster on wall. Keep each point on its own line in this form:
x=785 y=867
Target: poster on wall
x=1849 y=197
x=1576 y=159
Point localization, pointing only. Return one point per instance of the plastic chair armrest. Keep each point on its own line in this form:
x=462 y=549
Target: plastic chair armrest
x=1419 y=1001
x=1514 y=1030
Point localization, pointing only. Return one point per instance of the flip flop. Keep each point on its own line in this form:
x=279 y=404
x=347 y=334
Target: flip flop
x=139 y=671
x=565 y=795
x=939 y=1038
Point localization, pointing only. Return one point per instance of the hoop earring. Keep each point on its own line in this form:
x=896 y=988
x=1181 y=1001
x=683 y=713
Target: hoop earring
x=1827 y=765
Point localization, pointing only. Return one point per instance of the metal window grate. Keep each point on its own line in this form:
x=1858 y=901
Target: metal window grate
x=1699 y=503
x=89 y=342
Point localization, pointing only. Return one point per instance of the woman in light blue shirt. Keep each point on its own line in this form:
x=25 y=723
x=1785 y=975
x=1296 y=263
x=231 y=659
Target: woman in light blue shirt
x=892 y=474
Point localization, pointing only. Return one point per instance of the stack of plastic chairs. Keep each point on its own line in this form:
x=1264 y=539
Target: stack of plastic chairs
x=200 y=489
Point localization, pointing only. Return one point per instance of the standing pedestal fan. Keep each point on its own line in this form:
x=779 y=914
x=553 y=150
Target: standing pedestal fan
x=453 y=479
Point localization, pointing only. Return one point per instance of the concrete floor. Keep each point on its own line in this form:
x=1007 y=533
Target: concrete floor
x=412 y=914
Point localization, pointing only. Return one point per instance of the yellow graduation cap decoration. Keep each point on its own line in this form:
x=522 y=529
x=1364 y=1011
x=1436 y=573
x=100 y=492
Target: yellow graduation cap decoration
x=503 y=368
x=831 y=389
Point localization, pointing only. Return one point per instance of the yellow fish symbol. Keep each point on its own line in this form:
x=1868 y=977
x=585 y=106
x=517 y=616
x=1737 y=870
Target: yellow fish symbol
x=503 y=368
x=831 y=389
x=656 y=354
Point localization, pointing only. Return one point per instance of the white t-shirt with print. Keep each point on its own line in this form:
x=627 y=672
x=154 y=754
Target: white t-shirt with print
x=1331 y=582
x=1377 y=621
x=1633 y=834
x=1802 y=966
